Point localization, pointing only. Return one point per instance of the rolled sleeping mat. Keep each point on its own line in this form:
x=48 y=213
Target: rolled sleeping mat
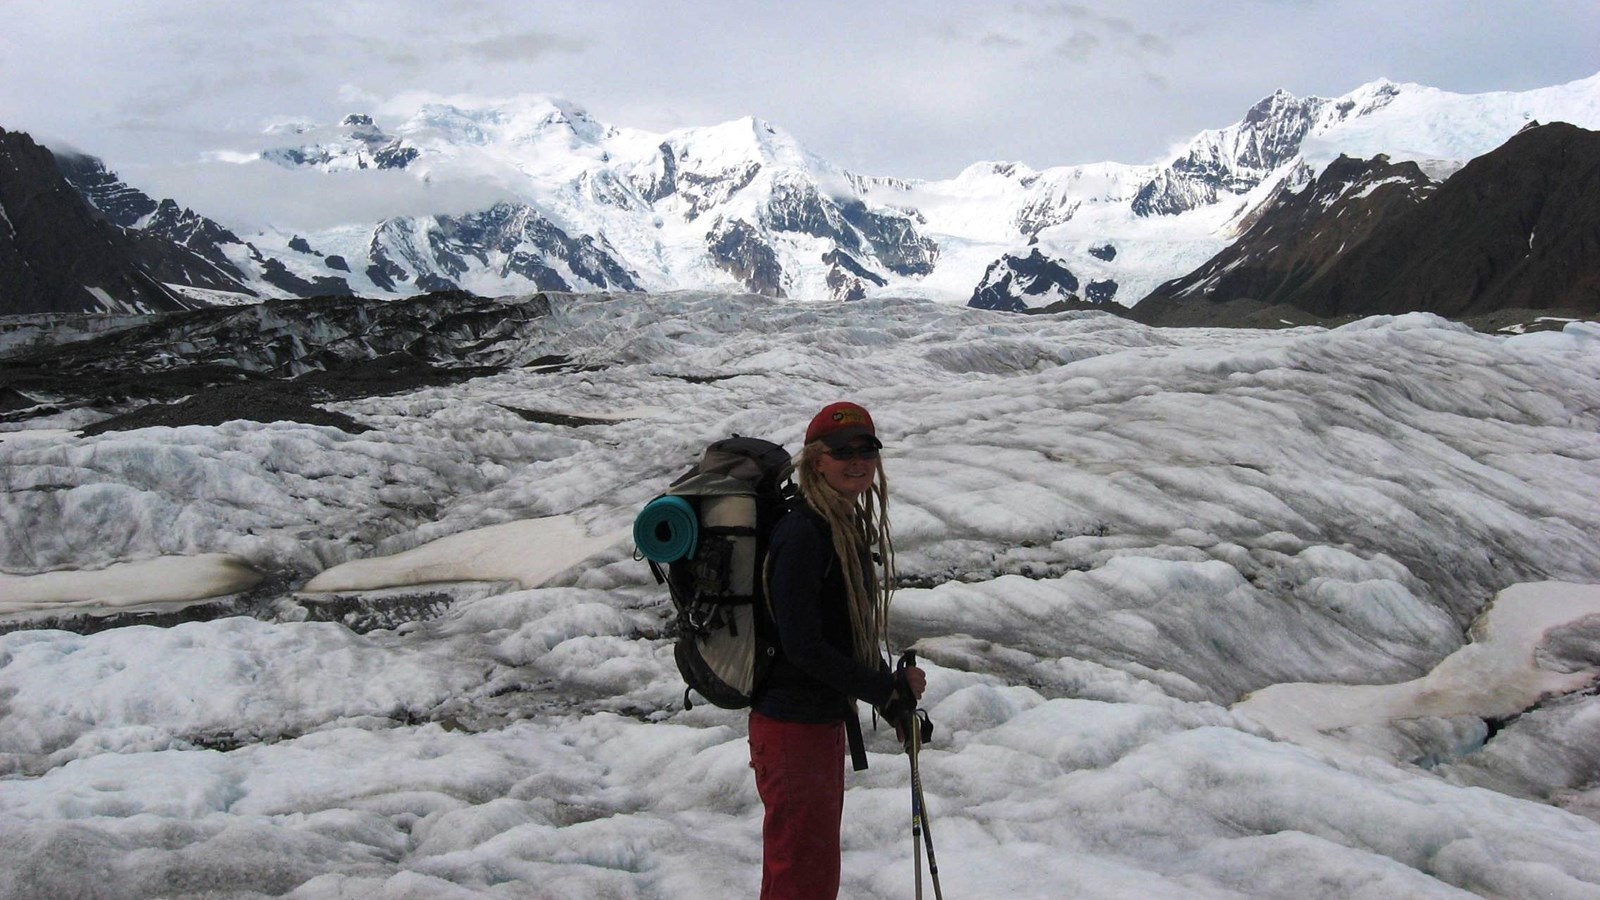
x=666 y=530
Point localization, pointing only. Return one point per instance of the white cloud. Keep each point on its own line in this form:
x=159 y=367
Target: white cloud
x=898 y=87
x=248 y=195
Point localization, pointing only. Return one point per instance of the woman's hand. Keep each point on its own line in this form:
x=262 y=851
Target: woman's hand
x=916 y=681
x=913 y=681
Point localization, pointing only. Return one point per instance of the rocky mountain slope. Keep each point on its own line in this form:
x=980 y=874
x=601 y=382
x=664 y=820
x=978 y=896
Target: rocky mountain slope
x=1516 y=228
x=56 y=253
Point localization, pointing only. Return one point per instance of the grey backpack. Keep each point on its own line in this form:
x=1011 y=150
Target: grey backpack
x=706 y=539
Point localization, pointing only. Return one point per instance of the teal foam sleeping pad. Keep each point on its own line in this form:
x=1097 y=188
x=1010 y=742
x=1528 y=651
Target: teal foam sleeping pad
x=666 y=530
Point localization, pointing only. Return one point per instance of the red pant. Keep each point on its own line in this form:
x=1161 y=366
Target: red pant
x=800 y=777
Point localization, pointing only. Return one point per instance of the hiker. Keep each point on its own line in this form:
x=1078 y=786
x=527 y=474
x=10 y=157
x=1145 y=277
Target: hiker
x=829 y=572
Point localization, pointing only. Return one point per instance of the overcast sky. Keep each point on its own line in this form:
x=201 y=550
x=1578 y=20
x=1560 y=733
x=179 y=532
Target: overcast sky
x=914 y=89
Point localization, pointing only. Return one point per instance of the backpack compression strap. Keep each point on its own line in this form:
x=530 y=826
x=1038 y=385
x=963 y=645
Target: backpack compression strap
x=858 y=745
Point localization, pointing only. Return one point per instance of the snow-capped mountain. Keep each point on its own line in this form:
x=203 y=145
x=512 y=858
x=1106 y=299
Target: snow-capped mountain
x=566 y=202
x=593 y=207
x=744 y=205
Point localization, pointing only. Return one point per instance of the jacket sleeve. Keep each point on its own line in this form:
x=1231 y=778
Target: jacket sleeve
x=799 y=558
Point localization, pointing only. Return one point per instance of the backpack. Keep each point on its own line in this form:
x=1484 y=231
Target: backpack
x=706 y=539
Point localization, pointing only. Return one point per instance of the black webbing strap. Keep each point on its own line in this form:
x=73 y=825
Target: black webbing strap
x=858 y=745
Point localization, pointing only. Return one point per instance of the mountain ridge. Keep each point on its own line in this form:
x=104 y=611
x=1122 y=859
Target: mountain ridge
x=1513 y=229
x=744 y=206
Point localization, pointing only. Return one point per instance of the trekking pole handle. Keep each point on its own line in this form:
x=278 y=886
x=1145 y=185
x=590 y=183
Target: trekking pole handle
x=908 y=660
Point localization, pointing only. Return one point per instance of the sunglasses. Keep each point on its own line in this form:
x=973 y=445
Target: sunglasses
x=845 y=454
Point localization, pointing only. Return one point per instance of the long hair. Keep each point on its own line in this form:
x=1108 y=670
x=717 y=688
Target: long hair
x=859 y=528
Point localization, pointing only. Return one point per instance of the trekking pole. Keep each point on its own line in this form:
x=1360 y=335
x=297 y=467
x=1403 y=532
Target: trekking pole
x=920 y=826
x=922 y=810
x=916 y=816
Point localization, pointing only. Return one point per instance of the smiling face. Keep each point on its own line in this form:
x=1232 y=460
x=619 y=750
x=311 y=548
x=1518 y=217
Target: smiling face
x=850 y=477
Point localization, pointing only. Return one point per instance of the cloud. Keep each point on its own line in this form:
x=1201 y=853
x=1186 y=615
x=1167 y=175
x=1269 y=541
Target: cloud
x=919 y=89
x=249 y=195
x=1089 y=26
x=522 y=47
x=1001 y=41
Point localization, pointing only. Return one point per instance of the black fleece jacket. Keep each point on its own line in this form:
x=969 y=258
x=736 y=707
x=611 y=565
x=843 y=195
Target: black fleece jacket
x=815 y=674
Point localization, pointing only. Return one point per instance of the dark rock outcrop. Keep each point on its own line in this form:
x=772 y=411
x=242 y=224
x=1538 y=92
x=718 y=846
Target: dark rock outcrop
x=847 y=277
x=272 y=361
x=893 y=238
x=738 y=249
x=1011 y=282
x=57 y=252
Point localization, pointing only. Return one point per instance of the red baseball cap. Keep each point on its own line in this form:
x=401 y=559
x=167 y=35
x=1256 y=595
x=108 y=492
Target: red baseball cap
x=840 y=423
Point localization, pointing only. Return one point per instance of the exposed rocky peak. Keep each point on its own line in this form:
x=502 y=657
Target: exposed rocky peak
x=118 y=201
x=1173 y=192
x=1101 y=293
x=395 y=156
x=703 y=169
x=795 y=204
x=187 y=227
x=359 y=143
x=276 y=273
x=1351 y=180
x=591 y=207
x=658 y=179
x=1044 y=211
x=176 y=244
x=604 y=188
x=1271 y=134
x=1232 y=160
x=703 y=191
x=361 y=127
x=58 y=253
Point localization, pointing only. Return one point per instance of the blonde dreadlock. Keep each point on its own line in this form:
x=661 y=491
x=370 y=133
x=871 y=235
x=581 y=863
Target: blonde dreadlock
x=862 y=525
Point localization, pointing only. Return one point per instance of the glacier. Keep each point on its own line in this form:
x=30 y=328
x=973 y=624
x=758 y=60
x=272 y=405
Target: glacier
x=1206 y=613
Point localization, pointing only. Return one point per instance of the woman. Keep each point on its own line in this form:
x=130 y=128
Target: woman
x=829 y=571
